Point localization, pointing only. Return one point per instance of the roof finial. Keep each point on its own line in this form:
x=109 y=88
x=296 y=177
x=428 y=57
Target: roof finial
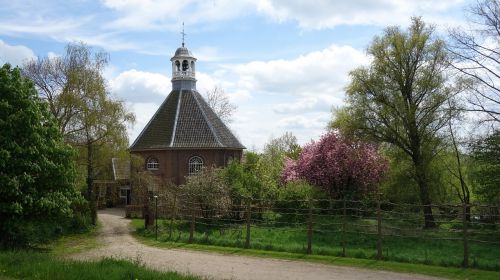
x=183 y=34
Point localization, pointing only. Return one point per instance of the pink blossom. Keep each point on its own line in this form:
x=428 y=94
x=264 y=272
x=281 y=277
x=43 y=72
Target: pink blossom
x=338 y=165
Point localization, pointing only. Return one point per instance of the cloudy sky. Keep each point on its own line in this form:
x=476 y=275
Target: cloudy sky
x=284 y=63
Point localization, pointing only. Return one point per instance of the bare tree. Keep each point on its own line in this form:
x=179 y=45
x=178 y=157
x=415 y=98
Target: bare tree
x=218 y=100
x=476 y=55
x=49 y=76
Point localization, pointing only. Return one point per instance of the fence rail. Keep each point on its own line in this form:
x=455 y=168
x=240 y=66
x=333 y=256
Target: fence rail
x=316 y=223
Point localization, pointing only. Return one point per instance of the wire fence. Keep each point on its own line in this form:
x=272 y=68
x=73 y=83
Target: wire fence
x=466 y=235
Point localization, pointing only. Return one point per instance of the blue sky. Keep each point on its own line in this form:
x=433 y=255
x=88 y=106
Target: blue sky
x=284 y=63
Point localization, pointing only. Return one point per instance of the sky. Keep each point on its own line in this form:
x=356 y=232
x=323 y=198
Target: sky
x=283 y=63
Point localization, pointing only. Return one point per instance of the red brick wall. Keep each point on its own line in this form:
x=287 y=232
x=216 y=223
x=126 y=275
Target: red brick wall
x=173 y=164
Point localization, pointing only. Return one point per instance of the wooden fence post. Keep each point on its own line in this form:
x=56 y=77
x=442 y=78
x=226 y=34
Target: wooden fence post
x=191 y=226
x=344 y=217
x=379 y=229
x=248 y=221
x=310 y=228
x=465 y=262
x=172 y=218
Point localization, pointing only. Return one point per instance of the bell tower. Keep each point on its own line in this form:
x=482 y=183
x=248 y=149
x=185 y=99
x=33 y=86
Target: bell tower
x=183 y=68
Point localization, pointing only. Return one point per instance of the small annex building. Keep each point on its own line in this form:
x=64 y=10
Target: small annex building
x=185 y=134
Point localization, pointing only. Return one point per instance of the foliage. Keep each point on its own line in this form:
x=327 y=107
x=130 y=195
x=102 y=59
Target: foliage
x=402 y=98
x=209 y=191
x=259 y=175
x=400 y=185
x=296 y=195
x=36 y=167
x=485 y=169
x=243 y=178
x=476 y=56
x=338 y=166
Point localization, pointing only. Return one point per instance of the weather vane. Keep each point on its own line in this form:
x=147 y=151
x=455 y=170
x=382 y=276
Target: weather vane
x=183 y=34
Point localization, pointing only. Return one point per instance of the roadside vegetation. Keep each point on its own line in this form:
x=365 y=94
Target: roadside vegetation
x=42 y=265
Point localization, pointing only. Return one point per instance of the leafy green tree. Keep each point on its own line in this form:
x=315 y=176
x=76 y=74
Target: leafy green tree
x=401 y=99
x=36 y=166
x=244 y=177
x=90 y=118
x=485 y=169
x=272 y=160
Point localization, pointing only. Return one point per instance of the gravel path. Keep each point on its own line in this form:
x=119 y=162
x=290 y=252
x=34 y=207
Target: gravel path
x=118 y=243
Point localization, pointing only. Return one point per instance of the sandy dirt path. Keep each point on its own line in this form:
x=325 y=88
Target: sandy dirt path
x=117 y=242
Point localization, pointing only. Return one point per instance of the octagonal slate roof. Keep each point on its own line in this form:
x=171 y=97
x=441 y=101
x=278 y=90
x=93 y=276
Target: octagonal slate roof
x=185 y=120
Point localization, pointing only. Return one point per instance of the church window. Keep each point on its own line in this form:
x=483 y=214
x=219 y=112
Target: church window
x=152 y=164
x=195 y=165
x=177 y=65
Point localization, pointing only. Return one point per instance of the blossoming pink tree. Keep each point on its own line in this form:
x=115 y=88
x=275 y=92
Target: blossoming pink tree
x=338 y=165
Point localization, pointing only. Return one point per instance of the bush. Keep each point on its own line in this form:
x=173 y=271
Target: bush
x=37 y=169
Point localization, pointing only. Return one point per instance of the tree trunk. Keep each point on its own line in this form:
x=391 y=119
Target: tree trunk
x=425 y=199
x=90 y=185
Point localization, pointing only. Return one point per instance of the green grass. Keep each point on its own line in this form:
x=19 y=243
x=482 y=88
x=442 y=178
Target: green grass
x=43 y=265
x=50 y=262
x=74 y=243
x=438 y=271
x=327 y=243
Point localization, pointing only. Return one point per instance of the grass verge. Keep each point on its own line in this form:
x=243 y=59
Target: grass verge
x=42 y=265
x=439 y=271
x=74 y=243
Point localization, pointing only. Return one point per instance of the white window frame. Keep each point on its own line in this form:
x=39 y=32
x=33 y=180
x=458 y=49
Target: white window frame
x=152 y=164
x=195 y=165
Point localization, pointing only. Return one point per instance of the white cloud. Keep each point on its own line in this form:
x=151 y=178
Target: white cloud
x=309 y=103
x=315 y=73
x=314 y=120
x=293 y=95
x=327 y=14
x=161 y=15
x=141 y=87
x=14 y=55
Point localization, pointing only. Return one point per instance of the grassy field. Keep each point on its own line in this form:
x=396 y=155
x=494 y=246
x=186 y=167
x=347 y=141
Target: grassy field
x=43 y=265
x=446 y=253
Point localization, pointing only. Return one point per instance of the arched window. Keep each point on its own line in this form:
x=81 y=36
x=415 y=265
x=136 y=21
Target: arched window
x=195 y=165
x=152 y=164
x=192 y=66
x=185 y=65
x=178 y=65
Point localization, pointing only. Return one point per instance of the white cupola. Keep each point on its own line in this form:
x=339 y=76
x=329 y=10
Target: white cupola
x=183 y=68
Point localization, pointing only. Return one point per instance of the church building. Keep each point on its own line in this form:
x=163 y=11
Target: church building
x=185 y=134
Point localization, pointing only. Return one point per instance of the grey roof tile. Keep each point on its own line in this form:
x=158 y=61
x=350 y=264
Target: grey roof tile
x=186 y=117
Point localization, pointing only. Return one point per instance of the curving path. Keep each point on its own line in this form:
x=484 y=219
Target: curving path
x=117 y=242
